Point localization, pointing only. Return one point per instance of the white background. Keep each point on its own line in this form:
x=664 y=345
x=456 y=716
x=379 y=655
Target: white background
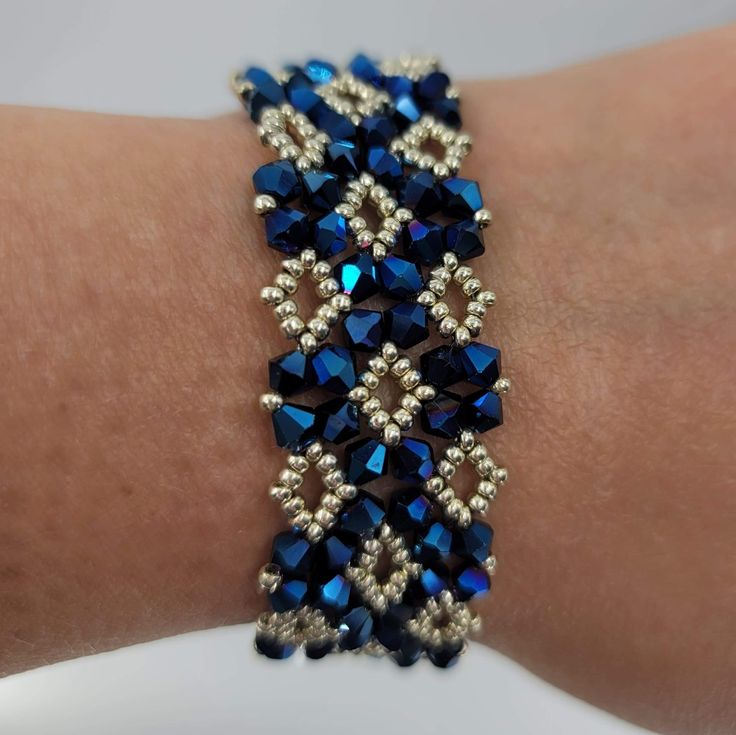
x=173 y=58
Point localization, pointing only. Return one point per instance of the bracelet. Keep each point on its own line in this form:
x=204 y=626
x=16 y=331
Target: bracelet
x=366 y=202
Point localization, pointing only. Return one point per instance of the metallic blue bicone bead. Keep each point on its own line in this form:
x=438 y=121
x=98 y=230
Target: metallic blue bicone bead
x=474 y=542
x=432 y=582
x=443 y=415
x=390 y=628
x=481 y=364
x=398 y=86
x=442 y=366
x=320 y=190
x=319 y=71
x=270 y=647
x=294 y=426
x=267 y=92
x=334 y=594
x=376 y=131
x=335 y=553
x=366 y=69
x=385 y=166
x=339 y=420
x=423 y=241
x=287 y=230
x=357 y=276
x=290 y=373
x=400 y=278
x=363 y=516
x=355 y=628
x=433 y=86
x=337 y=126
x=465 y=239
x=279 y=179
x=445 y=656
x=366 y=460
x=406 y=111
x=291 y=594
x=471 y=582
x=342 y=158
x=409 y=652
x=293 y=554
x=406 y=324
x=319 y=648
x=460 y=197
x=434 y=545
x=448 y=111
x=300 y=93
x=409 y=510
x=334 y=369
x=482 y=411
x=363 y=330
x=421 y=194
x=329 y=233
x=412 y=460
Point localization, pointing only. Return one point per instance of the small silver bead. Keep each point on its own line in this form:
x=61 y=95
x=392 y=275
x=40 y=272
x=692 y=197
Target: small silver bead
x=271 y=402
x=391 y=434
x=483 y=218
x=264 y=204
x=502 y=385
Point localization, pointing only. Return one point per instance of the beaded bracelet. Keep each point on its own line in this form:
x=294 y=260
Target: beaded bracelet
x=379 y=143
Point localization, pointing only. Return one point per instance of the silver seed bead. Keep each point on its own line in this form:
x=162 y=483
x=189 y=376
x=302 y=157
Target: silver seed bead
x=412 y=404
x=269 y=577
x=500 y=474
x=370 y=406
x=389 y=352
x=307 y=343
x=424 y=393
x=487 y=489
x=341 y=302
x=379 y=420
x=272 y=295
x=346 y=210
x=483 y=218
x=292 y=326
x=359 y=394
x=369 y=379
x=462 y=336
x=271 y=402
x=264 y=204
x=502 y=385
x=391 y=434
x=487 y=298
x=403 y=418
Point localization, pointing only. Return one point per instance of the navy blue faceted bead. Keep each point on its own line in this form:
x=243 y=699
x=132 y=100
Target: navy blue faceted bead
x=355 y=628
x=405 y=324
x=376 y=131
x=420 y=193
x=473 y=543
x=460 y=197
x=335 y=553
x=445 y=656
x=329 y=233
x=334 y=369
x=290 y=373
x=279 y=179
x=300 y=93
x=398 y=85
x=294 y=426
x=432 y=581
x=481 y=364
x=339 y=420
x=342 y=159
x=409 y=652
x=443 y=415
x=471 y=582
x=423 y=241
x=363 y=515
x=319 y=648
x=363 y=330
x=266 y=92
x=291 y=594
x=409 y=510
x=319 y=71
x=406 y=111
x=482 y=411
x=287 y=230
x=321 y=190
x=366 y=460
x=442 y=366
x=334 y=594
x=465 y=239
x=366 y=69
x=357 y=276
x=390 y=628
x=399 y=277
x=385 y=166
x=448 y=111
x=337 y=126
x=412 y=460
x=433 y=86
x=434 y=545
x=293 y=554
x=271 y=647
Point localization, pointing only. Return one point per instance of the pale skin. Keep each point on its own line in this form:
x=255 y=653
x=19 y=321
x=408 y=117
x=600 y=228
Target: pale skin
x=134 y=463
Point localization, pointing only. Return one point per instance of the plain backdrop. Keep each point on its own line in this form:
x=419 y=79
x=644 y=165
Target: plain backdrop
x=173 y=58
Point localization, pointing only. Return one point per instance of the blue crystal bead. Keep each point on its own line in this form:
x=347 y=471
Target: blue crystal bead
x=335 y=553
x=406 y=324
x=448 y=111
x=412 y=460
x=409 y=652
x=287 y=230
x=270 y=647
x=334 y=594
x=293 y=554
x=355 y=628
x=363 y=515
x=409 y=510
x=390 y=628
x=471 y=582
x=398 y=86
x=342 y=159
x=434 y=545
x=474 y=542
x=376 y=131
x=290 y=595
x=318 y=649
x=482 y=411
x=400 y=278
x=290 y=373
x=385 y=166
x=266 y=92
x=319 y=71
x=301 y=95
x=339 y=420
x=406 y=111
x=420 y=193
x=366 y=69
x=481 y=364
x=432 y=582
x=442 y=366
x=423 y=241
x=294 y=426
x=337 y=126
x=278 y=179
x=329 y=233
x=443 y=415
x=334 y=369
x=460 y=197
x=321 y=190
x=433 y=86
x=445 y=656
x=465 y=239
x=357 y=276
x=363 y=330
x=366 y=460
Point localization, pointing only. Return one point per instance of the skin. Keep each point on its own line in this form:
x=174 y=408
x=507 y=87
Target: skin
x=134 y=461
